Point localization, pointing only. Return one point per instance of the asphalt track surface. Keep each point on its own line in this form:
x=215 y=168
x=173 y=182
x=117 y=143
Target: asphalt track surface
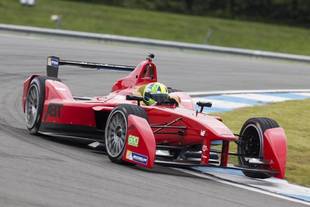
x=44 y=171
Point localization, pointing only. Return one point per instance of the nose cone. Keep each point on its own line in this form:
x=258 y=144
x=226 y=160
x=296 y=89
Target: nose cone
x=217 y=127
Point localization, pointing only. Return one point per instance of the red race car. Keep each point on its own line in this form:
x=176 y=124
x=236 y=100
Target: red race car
x=142 y=122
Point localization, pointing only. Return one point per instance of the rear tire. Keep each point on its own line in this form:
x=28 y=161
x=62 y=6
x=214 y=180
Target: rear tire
x=252 y=144
x=34 y=104
x=116 y=130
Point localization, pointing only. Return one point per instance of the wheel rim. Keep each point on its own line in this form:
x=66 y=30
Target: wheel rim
x=32 y=106
x=252 y=142
x=116 y=134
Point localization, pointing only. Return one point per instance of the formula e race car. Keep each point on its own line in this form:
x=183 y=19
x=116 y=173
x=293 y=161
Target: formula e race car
x=173 y=131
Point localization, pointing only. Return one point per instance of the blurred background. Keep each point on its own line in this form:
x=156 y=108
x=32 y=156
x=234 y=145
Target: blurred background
x=272 y=25
x=284 y=11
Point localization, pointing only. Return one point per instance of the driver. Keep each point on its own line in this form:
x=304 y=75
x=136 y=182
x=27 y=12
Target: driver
x=155 y=93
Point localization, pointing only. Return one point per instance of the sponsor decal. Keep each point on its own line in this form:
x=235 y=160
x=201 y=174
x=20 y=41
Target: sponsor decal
x=202 y=133
x=204 y=157
x=49 y=62
x=133 y=140
x=52 y=62
x=60 y=89
x=139 y=158
x=142 y=159
x=129 y=155
x=53 y=110
x=204 y=148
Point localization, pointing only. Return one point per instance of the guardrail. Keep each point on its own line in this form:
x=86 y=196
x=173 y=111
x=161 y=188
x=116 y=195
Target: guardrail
x=153 y=42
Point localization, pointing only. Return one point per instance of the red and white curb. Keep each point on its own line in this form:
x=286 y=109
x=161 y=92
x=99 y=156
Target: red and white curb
x=229 y=100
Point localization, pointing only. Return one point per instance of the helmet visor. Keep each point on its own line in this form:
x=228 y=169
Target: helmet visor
x=160 y=97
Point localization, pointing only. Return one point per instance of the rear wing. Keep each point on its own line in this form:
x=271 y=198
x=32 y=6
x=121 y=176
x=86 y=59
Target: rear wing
x=54 y=62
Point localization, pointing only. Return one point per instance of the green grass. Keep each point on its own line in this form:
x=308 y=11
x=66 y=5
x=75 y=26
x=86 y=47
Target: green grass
x=113 y=20
x=294 y=117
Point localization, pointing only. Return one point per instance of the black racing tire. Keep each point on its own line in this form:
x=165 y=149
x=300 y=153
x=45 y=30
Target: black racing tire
x=251 y=143
x=34 y=104
x=116 y=130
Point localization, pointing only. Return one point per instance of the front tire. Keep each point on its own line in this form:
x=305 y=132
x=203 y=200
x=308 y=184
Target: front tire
x=116 y=130
x=251 y=144
x=34 y=105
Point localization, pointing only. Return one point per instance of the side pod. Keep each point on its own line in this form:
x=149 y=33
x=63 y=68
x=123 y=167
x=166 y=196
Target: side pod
x=275 y=149
x=140 y=143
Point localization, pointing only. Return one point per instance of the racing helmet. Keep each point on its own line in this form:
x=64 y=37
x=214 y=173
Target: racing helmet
x=155 y=93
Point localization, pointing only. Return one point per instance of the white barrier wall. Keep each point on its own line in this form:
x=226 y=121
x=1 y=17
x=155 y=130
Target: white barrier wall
x=28 y=2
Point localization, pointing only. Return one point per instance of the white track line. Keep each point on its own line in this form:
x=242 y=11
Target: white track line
x=209 y=93
x=260 y=97
x=224 y=104
x=246 y=187
x=303 y=94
